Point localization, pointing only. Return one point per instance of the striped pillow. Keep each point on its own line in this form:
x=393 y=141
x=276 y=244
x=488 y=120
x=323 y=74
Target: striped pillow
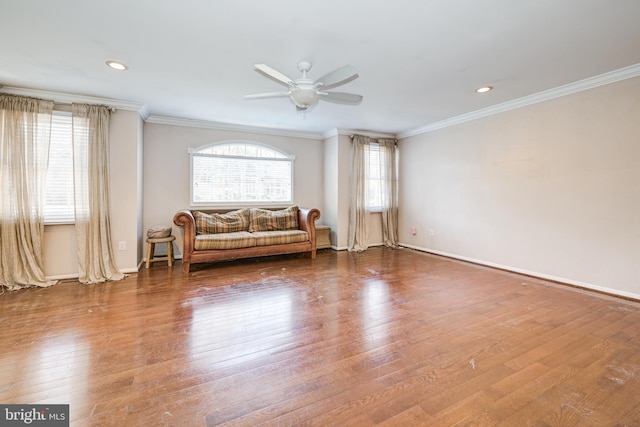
x=222 y=223
x=266 y=220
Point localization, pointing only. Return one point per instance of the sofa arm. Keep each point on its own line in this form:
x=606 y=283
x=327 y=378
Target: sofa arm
x=307 y=222
x=185 y=219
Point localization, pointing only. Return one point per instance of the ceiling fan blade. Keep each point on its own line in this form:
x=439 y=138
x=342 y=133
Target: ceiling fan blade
x=341 y=97
x=267 y=95
x=273 y=74
x=338 y=77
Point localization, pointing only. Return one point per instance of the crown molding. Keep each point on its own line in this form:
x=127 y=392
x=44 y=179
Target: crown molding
x=206 y=124
x=68 y=98
x=331 y=133
x=579 y=86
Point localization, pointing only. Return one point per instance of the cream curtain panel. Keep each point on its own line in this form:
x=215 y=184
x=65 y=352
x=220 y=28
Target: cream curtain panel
x=92 y=204
x=358 y=239
x=359 y=209
x=25 y=127
x=389 y=191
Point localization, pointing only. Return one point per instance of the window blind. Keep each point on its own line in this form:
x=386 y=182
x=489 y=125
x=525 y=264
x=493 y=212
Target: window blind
x=59 y=199
x=374 y=178
x=239 y=173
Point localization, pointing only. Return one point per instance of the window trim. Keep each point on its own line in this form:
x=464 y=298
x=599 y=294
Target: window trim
x=231 y=205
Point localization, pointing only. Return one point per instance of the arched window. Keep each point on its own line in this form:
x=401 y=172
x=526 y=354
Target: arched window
x=239 y=172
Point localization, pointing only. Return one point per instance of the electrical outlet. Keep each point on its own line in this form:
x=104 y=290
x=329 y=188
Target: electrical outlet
x=122 y=245
x=414 y=231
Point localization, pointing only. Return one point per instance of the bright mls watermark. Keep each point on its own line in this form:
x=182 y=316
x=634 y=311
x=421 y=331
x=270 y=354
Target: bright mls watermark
x=34 y=415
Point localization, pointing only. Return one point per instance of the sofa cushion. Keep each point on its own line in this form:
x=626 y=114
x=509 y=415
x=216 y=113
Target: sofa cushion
x=266 y=220
x=234 y=240
x=229 y=222
x=266 y=238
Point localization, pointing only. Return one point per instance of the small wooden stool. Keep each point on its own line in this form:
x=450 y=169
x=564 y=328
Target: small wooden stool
x=151 y=246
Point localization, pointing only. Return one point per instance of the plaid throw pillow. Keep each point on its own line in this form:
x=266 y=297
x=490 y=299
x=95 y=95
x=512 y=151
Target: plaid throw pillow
x=266 y=220
x=222 y=223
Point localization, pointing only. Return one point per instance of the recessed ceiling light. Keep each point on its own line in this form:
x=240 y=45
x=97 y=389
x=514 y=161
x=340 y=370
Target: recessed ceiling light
x=484 y=89
x=117 y=65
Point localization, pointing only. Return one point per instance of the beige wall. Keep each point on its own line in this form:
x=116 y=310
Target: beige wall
x=337 y=166
x=59 y=251
x=126 y=187
x=331 y=212
x=126 y=195
x=166 y=169
x=551 y=189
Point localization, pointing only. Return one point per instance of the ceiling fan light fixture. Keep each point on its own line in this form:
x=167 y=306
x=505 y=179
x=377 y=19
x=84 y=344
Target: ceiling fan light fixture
x=304 y=98
x=305 y=92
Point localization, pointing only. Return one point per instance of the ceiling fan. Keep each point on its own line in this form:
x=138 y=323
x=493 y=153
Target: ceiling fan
x=305 y=92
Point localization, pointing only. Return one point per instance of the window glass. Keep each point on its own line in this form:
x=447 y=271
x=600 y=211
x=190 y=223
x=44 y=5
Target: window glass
x=240 y=172
x=58 y=208
x=374 y=178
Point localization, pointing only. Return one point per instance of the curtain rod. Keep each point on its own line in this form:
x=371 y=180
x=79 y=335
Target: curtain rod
x=375 y=139
x=67 y=104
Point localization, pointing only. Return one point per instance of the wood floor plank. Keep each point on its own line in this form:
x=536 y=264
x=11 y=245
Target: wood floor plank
x=413 y=416
x=385 y=337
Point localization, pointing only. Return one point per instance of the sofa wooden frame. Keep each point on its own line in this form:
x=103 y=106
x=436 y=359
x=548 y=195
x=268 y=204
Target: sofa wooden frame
x=184 y=218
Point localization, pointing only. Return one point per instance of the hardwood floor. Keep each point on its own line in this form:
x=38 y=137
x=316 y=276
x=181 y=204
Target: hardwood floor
x=386 y=337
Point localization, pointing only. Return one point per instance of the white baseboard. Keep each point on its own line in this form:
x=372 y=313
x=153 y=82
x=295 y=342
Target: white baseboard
x=75 y=276
x=132 y=270
x=160 y=255
x=557 y=279
x=536 y=274
x=346 y=248
x=62 y=277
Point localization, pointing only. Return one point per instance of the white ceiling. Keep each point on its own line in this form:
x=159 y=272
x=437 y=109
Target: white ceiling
x=419 y=60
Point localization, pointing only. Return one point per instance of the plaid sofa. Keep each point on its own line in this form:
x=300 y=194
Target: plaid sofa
x=245 y=233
